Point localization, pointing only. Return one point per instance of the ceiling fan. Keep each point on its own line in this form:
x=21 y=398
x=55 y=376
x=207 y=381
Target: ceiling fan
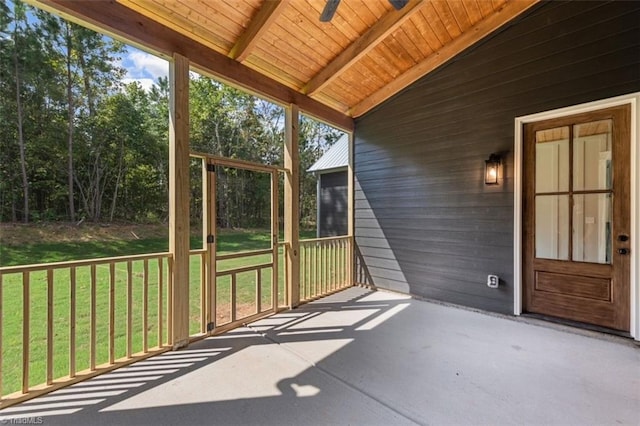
x=332 y=5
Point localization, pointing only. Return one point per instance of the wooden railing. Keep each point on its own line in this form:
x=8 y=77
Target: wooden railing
x=324 y=266
x=64 y=322
x=243 y=289
x=283 y=272
x=198 y=293
x=67 y=321
x=245 y=283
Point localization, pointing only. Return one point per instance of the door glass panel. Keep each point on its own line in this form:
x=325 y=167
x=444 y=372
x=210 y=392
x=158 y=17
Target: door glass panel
x=592 y=228
x=552 y=160
x=552 y=227
x=592 y=155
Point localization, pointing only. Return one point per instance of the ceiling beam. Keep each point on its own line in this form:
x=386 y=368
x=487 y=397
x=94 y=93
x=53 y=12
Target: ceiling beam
x=483 y=28
x=118 y=21
x=268 y=13
x=362 y=45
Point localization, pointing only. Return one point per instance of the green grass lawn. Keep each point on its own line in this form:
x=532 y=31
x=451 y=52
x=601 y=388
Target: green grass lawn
x=12 y=299
x=26 y=254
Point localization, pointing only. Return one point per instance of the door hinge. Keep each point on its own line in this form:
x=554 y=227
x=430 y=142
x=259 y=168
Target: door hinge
x=211 y=168
x=210 y=326
x=210 y=239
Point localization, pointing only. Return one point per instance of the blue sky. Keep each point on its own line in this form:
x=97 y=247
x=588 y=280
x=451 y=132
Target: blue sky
x=143 y=67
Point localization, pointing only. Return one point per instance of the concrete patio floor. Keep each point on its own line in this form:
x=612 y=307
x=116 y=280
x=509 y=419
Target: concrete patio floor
x=363 y=357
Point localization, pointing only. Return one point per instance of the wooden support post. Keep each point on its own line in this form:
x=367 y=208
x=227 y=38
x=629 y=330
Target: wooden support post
x=275 y=247
x=179 y=198
x=351 y=246
x=209 y=225
x=292 y=204
x=205 y=267
x=1 y=344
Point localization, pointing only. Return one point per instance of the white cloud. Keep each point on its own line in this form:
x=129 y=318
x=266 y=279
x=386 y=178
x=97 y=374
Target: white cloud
x=143 y=68
x=143 y=64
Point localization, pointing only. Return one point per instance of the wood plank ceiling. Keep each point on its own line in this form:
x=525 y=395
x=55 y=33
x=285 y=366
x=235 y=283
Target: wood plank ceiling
x=366 y=54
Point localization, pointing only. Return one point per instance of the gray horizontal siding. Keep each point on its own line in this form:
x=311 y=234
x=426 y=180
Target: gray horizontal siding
x=425 y=222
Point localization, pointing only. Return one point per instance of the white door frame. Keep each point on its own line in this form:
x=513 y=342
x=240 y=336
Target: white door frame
x=632 y=99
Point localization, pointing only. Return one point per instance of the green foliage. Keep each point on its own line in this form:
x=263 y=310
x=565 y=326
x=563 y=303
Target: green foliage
x=47 y=252
x=78 y=143
x=44 y=56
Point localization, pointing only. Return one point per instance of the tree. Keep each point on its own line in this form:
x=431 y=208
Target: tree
x=97 y=70
x=75 y=141
x=29 y=98
x=6 y=126
x=139 y=187
x=20 y=39
x=68 y=40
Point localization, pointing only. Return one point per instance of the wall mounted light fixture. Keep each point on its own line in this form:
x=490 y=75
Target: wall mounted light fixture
x=492 y=169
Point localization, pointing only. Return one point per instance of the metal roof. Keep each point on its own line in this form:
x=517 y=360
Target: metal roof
x=336 y=157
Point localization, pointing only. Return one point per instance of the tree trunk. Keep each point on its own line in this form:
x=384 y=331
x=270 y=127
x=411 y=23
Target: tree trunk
x=14 y=213
x=100 y=188
x=19 y=113
x=118 y=178
x=84 y=197
x=87 y=83
x=71 y=113
x=93 y=193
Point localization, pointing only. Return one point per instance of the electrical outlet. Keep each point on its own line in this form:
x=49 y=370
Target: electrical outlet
x=493 y=281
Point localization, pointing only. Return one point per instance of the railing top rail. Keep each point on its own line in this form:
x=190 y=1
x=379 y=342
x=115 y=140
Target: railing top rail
x=240 y=254
x=321 y=240
x=238 y=164
x=243 y=269
x=77 y=263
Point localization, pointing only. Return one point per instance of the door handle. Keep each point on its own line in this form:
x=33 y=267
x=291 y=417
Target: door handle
x=623 y=237
x=623 y=251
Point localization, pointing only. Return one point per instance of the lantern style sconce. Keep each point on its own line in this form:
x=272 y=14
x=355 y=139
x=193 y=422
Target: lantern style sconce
x=492 y=169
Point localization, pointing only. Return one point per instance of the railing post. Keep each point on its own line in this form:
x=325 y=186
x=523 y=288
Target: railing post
x=26 y=321
x=1 y=341
x=275 y=246
x=292 y=204
x=209 y=228
x=179 y=197
x=351 y=259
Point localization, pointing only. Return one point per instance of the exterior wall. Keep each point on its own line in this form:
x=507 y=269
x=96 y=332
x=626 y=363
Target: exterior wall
x=332 y=204
x=425 y=223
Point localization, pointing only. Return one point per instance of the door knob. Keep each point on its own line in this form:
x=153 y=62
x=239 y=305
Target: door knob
x=623 y=237
x=623 y=251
